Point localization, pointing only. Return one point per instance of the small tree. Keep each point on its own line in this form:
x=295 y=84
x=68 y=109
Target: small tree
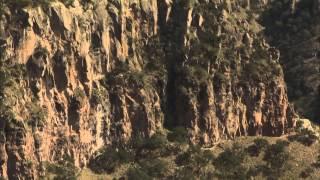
x=259 y=145
x=156 y=167
x=229 y=164
x=109 y=159
x=67 y=2
x=64 y=169
x=137 y=173
x=156 y=141
x=277 y=158
x=178 y=134
x=186 y=173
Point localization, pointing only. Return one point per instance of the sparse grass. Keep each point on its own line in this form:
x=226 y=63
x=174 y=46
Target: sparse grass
x=86 y=174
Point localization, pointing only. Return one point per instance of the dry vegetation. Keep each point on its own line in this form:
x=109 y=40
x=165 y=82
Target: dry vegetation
x=242 y=158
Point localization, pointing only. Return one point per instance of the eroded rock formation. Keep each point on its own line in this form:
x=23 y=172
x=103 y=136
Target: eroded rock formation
x=89 y=75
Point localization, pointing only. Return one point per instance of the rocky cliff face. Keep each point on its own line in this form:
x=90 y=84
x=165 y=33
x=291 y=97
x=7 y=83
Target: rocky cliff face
x=77 y=78
x=294 y=29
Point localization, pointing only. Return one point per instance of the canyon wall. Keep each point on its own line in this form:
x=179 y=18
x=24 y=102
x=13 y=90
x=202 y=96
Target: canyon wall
x=77 y=78
x=294 y=30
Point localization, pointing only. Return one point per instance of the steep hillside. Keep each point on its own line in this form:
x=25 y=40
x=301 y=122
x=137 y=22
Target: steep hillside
x=293 y=27
x=80 y=76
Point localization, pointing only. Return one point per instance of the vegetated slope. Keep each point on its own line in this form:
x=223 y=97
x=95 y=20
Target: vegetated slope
x=81 y=77
x=296 y=156
x=294 y=29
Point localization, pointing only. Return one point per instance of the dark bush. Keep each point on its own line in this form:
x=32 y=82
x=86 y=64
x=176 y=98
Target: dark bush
x=156 y=141
x=259 y=145
x=79 y=95
x=277 y=158
x=186 y=173
x=67 y=2
x=229 y=164
x=183 y=159
x=178 y=134
x=136 y=142
x=24 y=3
x=155 y=167
x=195 y=161
x=109 y=159
x=65 y=169
x=38 y=115
x=137 y=173
x=305 y=137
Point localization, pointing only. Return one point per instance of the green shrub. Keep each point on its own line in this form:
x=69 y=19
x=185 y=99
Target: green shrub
x=137 y=174
x=220 y=77
x=156 y=141
x=136 y=142
x=299 y=125
x=99 y=96
x=183 y=159
x=187 y=3
x=260 y=70
x=67 y=2
x=155 y=167
x=129 y=78
x=196 y=161
x=109 y=159
x=79 y=95
x=2 y=8
x=139 y=78
x=277 y=158
x=3 y=81
x=38 y=115
x=178 y=134
x=229 y=164
x=186 y=173
x=194 y=74
x=259 y=145
x=200 y=74
x=305 y=137
x=65 y=169
x=21 y=3
x=24 y=3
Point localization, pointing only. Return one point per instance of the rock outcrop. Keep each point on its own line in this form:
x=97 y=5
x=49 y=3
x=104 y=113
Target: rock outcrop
x=295 y=31
x=80 y=77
